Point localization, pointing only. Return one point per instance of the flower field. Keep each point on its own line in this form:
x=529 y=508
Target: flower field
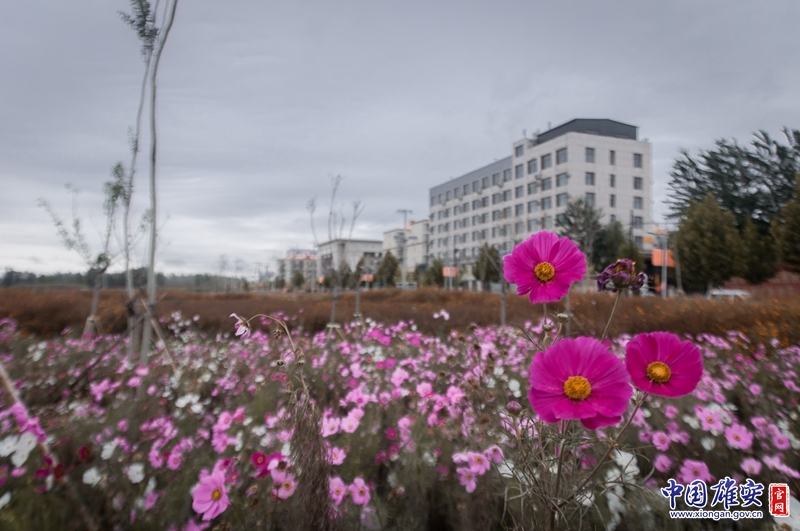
x=402 y=413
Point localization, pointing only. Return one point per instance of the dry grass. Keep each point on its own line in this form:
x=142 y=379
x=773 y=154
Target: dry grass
x=45 y=313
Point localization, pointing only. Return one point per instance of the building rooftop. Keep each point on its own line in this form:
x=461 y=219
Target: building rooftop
x=590 y=126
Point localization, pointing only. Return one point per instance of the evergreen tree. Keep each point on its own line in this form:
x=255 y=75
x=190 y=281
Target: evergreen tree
x=433 y=275
x=610 y=240
x=388 y=269
x=786 y=228
x=710 y=248
x=488 y=267
x=759 y=254
x=298 y=280
x=753 y=183
x=580 y=222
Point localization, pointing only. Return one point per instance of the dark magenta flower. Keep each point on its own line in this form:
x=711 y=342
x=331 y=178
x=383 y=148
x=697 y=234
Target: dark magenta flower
x=579 y=379
x=619 y=275
x=544 y=267
x=661 y=364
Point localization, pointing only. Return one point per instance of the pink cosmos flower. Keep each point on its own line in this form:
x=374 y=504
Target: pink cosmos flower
x=661 y=364
x=579 y=379
x=711 y=420
x=285 y=484
x=494 y=453
x=330 y=426
x=210 y=497
x=662 y=463
x=174 y=460
x=467 y=478
x=349 y=424
x=544 y=267
x=661 y=440
x=359 y=492
x=751 y=466
x=336 y=455
x=738 y=437
x=671 y=412
x=755 y=389
x=478 y=463
x=242 y=326
x=337 y=489
x=780 y=441
x=692 y=470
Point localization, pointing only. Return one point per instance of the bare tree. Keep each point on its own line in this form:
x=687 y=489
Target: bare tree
x=75 y=240
x=145 y=24
x=336 y=224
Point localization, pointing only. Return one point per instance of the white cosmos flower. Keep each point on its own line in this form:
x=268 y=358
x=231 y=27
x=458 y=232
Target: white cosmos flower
x=8 y=445
x=27 y=442
x=92 y=476
x=708 y=443
x=4 y=499
x=108 y=450
x=136 y=472
x=19 y=457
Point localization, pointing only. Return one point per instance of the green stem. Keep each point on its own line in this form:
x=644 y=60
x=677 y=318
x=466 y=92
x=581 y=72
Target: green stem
x=611 y=446
x=610 y=317
x=236 y=510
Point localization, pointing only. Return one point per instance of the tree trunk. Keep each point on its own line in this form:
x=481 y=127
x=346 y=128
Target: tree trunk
x=502 y=303
x=90 y=327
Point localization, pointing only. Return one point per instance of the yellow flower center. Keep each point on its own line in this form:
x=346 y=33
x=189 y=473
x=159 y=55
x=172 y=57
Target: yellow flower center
x=216 y=495
x=577 y=388
x=544 y=272
x=287 y=485
x=361 y=492
x=658 y=372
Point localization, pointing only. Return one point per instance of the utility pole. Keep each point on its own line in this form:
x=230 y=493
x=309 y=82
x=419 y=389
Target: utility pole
x=664 y=265
x=404 y=243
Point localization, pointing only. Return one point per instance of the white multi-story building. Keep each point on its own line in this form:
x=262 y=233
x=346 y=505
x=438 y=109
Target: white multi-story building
x=334 y=253
x=417 y=236
x=599 y=160
x=301 y=260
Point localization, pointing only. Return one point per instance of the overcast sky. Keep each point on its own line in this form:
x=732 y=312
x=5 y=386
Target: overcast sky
x=261 y=102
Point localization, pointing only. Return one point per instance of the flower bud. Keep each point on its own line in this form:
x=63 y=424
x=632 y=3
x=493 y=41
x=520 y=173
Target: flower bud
x=514 y=408
x=562 y=318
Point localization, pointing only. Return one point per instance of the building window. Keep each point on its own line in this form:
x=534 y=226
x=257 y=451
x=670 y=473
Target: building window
x=441 y=198
x=561 y=156
x=476 y=204
x=639 y=241
x=465 y=222
x=547 y=161
x=612 y=201
x=638 y=183
x=519 y=226
x=533 y=207
x=589 y=178
x=476 y=220
x=561 y=199
x=496 y=231
x=465 y=207
x=547 y=222
x=506 y=175
x=496 y=214
x=561 y=179
x=485 y=201
x=612 y=218
x=612 y=180
x=497 y=198
x=507 y=195
x=637 y=160
x=485 y=183
x=447 y=212
x=590 y=198
x=547 y=203
x=533 y=187
x=638 y=203
x=519 y=150
x=496 y=179
x=638 y=222
x=519 y=171
x=561 y=220
x=457 y=224
x=589 y=154
x=547 y=184
x=476 y=186
x=466 y=189
x=448 y=196
x=533 y=225
x=456 y=210
x=519 y=209
x=612 y=157
x=533 y=166
x=519 y=191
x=433 y=200
x=457 y=193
